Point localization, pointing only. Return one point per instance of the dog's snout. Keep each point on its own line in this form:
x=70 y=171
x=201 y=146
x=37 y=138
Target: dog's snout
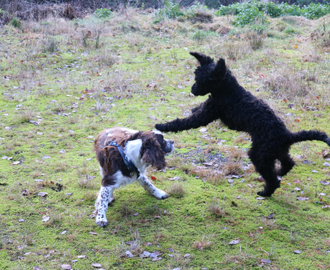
x=169 y=146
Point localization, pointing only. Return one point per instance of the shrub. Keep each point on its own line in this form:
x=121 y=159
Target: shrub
x=102 y=13
x=170 y=11
x=273 y=10
x=315 y=11
x=16 y=23
x=248 y=12
x=249 y=16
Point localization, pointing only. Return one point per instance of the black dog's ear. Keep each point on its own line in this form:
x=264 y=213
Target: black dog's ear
x=202 y=58
x=220 y=69
x=152 y=154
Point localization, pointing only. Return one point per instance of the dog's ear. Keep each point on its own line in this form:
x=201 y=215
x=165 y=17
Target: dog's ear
x=220 y=69
x=202 y=58
x=152 y=153
x=103 y=157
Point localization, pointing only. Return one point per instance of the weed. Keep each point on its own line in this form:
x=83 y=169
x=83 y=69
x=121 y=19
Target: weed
x=203 y=243
x=97 y=41
x=85 y=36
x=16 y=23
x=170 y=10
x=126 y=210
x=215 y=208
x=199 y=36
x=26 y=116
x=50 y=45
x=176 y=190
x=102 y=13
x=232 y=167
x=256 y=39
x=90 y=195
x=153 y=210
x=86 y=182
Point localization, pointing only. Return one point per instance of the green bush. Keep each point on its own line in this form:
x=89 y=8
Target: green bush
x=249 y=12
x=102 y=13
x=16 y=23
x=249 y=16
x=273 y=10
x=171 y=10
x=315 y=11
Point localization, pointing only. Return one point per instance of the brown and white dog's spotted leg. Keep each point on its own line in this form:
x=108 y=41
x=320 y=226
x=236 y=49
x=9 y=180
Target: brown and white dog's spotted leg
x=148 y=186
x=104 y=197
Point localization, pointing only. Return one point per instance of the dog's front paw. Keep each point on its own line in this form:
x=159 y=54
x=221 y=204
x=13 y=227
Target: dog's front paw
x=264 y=194
x=160 y=127
x=102 y=222
x=161 y=195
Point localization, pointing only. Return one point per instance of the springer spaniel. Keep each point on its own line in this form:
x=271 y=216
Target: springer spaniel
x=123 y=155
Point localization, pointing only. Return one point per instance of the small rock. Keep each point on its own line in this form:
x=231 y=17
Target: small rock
x=266 y=261
x=129 y=254
x=45 y=218
x=81 y=256
x=297 y=251
x=42 y=194
x=234 y=242
x=96 y=265
x=66 y=266
x=302 y=198
x=145 y=254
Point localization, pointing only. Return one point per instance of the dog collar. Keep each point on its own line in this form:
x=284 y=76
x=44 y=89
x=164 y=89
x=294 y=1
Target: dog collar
x=129 y=164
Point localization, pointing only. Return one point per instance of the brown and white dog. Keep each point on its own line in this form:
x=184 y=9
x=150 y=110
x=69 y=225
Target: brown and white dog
x=124 y=155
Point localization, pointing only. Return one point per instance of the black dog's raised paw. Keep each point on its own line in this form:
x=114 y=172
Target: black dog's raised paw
x=264 y=194
x=160 y=127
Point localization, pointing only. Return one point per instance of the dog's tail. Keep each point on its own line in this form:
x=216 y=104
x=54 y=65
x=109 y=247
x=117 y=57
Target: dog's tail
x=310 y=135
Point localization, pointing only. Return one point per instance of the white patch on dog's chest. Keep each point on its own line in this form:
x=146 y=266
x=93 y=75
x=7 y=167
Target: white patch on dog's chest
x=122 y=180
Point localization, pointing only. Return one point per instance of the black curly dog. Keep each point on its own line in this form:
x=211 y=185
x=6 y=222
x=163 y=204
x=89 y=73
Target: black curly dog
x=240 y=110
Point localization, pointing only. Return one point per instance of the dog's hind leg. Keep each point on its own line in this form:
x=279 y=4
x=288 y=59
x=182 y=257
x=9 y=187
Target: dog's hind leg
x=287 y=164
x=266 y=167
x=148 y=186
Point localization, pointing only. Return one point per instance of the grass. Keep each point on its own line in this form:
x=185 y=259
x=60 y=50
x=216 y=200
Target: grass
x=65 y=81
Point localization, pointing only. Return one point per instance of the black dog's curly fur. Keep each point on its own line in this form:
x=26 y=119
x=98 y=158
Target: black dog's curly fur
x=241 y=111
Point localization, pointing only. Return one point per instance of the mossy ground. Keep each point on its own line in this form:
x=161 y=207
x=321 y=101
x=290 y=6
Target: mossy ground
x=60 y=87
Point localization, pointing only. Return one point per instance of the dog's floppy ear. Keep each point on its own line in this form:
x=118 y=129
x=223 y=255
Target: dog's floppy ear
x=220 y=69
x=152 y=153
x=202 y=58
x=103 y=157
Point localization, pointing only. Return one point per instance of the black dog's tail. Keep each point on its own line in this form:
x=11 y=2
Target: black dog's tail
x=310 y=135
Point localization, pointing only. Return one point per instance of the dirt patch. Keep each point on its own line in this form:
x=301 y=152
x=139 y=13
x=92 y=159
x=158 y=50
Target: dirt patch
x=199 y=157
